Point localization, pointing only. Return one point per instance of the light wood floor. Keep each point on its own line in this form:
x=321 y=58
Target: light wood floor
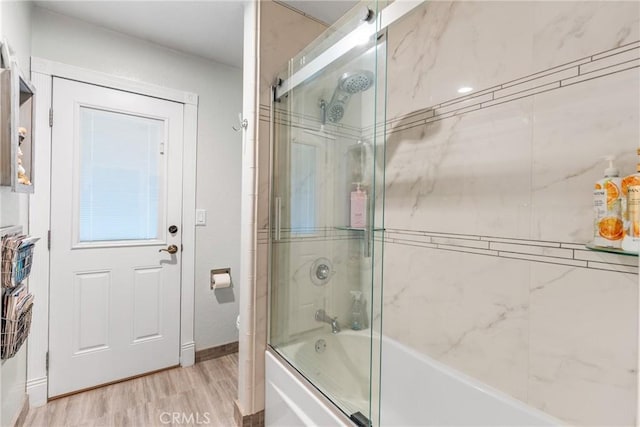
x=203 y=392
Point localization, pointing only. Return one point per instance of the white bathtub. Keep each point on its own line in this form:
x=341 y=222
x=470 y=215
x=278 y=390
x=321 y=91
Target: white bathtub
x=416 y=390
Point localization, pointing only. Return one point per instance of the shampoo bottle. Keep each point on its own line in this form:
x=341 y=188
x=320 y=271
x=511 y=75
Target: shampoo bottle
x=607 y=203
x=358 y=207
x=631 y=195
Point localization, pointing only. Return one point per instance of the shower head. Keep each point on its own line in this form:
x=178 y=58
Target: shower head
x=336 y=111
x=349 y=84
x=356 y=81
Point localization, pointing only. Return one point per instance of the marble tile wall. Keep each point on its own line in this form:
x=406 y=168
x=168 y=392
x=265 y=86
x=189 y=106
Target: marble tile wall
x=557 y=337
x=488 y=199
x=583 y=340
x=455 y=308
x=485 y=44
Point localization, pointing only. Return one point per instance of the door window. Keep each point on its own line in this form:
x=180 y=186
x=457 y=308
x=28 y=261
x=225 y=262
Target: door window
x=121 y=176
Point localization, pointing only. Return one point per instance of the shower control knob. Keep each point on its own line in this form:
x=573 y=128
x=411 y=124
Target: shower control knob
x=322 y=272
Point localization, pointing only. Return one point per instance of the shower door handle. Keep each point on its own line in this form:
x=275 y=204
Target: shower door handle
x=367 y=241
x=278 y=218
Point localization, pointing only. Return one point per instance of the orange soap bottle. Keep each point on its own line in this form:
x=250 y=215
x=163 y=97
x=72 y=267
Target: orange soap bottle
x=607 y=203
x=631 y=194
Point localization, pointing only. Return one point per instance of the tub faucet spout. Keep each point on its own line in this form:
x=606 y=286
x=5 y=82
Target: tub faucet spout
x=322 y=316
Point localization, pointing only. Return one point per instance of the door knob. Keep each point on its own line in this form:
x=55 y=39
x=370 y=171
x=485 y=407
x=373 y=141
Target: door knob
x=172 y=249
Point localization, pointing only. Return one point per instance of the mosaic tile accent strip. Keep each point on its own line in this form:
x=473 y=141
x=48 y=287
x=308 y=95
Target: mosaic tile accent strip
x=562 y=253
x=602 y=64
x=616 y=60
x=263 y=236
x=313 y=234
x=305 y=121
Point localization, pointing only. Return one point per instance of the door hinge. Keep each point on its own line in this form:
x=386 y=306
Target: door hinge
x=46 y=362
x=49 y=239
x=50 y=117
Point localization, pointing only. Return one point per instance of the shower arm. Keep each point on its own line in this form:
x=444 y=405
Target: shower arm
x=323 y=112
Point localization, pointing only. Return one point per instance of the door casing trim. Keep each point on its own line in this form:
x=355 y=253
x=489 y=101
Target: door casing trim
x=98 y=78
x=42 y=73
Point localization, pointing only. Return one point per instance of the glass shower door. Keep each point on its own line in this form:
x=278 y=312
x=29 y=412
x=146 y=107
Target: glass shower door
x=326 y=193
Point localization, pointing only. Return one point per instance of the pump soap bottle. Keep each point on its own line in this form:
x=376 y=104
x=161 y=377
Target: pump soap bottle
x=607 y=203
x=358 y=207
x=631 y=192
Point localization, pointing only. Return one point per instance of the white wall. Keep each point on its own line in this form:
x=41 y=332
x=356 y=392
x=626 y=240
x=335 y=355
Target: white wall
x=63 y=39
x=15 y=27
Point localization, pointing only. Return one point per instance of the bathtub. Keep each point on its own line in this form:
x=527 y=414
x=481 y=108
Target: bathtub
x=415 y=389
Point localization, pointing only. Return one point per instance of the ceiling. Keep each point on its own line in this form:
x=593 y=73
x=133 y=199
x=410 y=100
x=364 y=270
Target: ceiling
x=210 y=29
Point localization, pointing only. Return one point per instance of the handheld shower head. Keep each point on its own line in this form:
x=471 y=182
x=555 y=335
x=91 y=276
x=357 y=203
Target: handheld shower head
x=349 y=84
x=356 y=81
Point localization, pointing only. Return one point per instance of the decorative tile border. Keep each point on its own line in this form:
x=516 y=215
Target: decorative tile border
x=612 y=61
x=263 y=236
x=304 y=121
x=602 y=64
x=317 y=234
x=571 y=254
x=310 y=235
x=608 y=62
x=563 y=253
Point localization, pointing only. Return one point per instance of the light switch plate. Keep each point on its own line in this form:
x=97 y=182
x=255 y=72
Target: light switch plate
x=201 y=217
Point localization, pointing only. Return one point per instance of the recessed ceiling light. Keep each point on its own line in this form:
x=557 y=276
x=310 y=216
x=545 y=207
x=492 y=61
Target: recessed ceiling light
x=465 y=89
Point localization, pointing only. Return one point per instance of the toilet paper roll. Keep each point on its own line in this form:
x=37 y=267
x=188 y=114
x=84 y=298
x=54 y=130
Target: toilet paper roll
x=221 y=281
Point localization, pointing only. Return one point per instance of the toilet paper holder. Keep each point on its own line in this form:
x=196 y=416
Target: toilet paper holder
x=218 y=271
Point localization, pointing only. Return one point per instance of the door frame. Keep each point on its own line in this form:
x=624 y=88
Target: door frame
x=42 y=73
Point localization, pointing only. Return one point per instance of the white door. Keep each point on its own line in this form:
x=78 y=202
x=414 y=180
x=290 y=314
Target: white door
x=116 y=192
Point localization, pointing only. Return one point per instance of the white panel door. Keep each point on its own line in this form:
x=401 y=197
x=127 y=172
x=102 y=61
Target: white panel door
x=116 y=192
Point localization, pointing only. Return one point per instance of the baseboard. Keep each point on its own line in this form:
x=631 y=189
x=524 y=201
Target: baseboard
x=37 y=391
x=21 y=416
x=252 y=420
x=188 y=354
x=217 y=351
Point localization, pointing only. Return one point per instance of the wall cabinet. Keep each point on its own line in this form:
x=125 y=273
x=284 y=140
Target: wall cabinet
x=17 y=106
